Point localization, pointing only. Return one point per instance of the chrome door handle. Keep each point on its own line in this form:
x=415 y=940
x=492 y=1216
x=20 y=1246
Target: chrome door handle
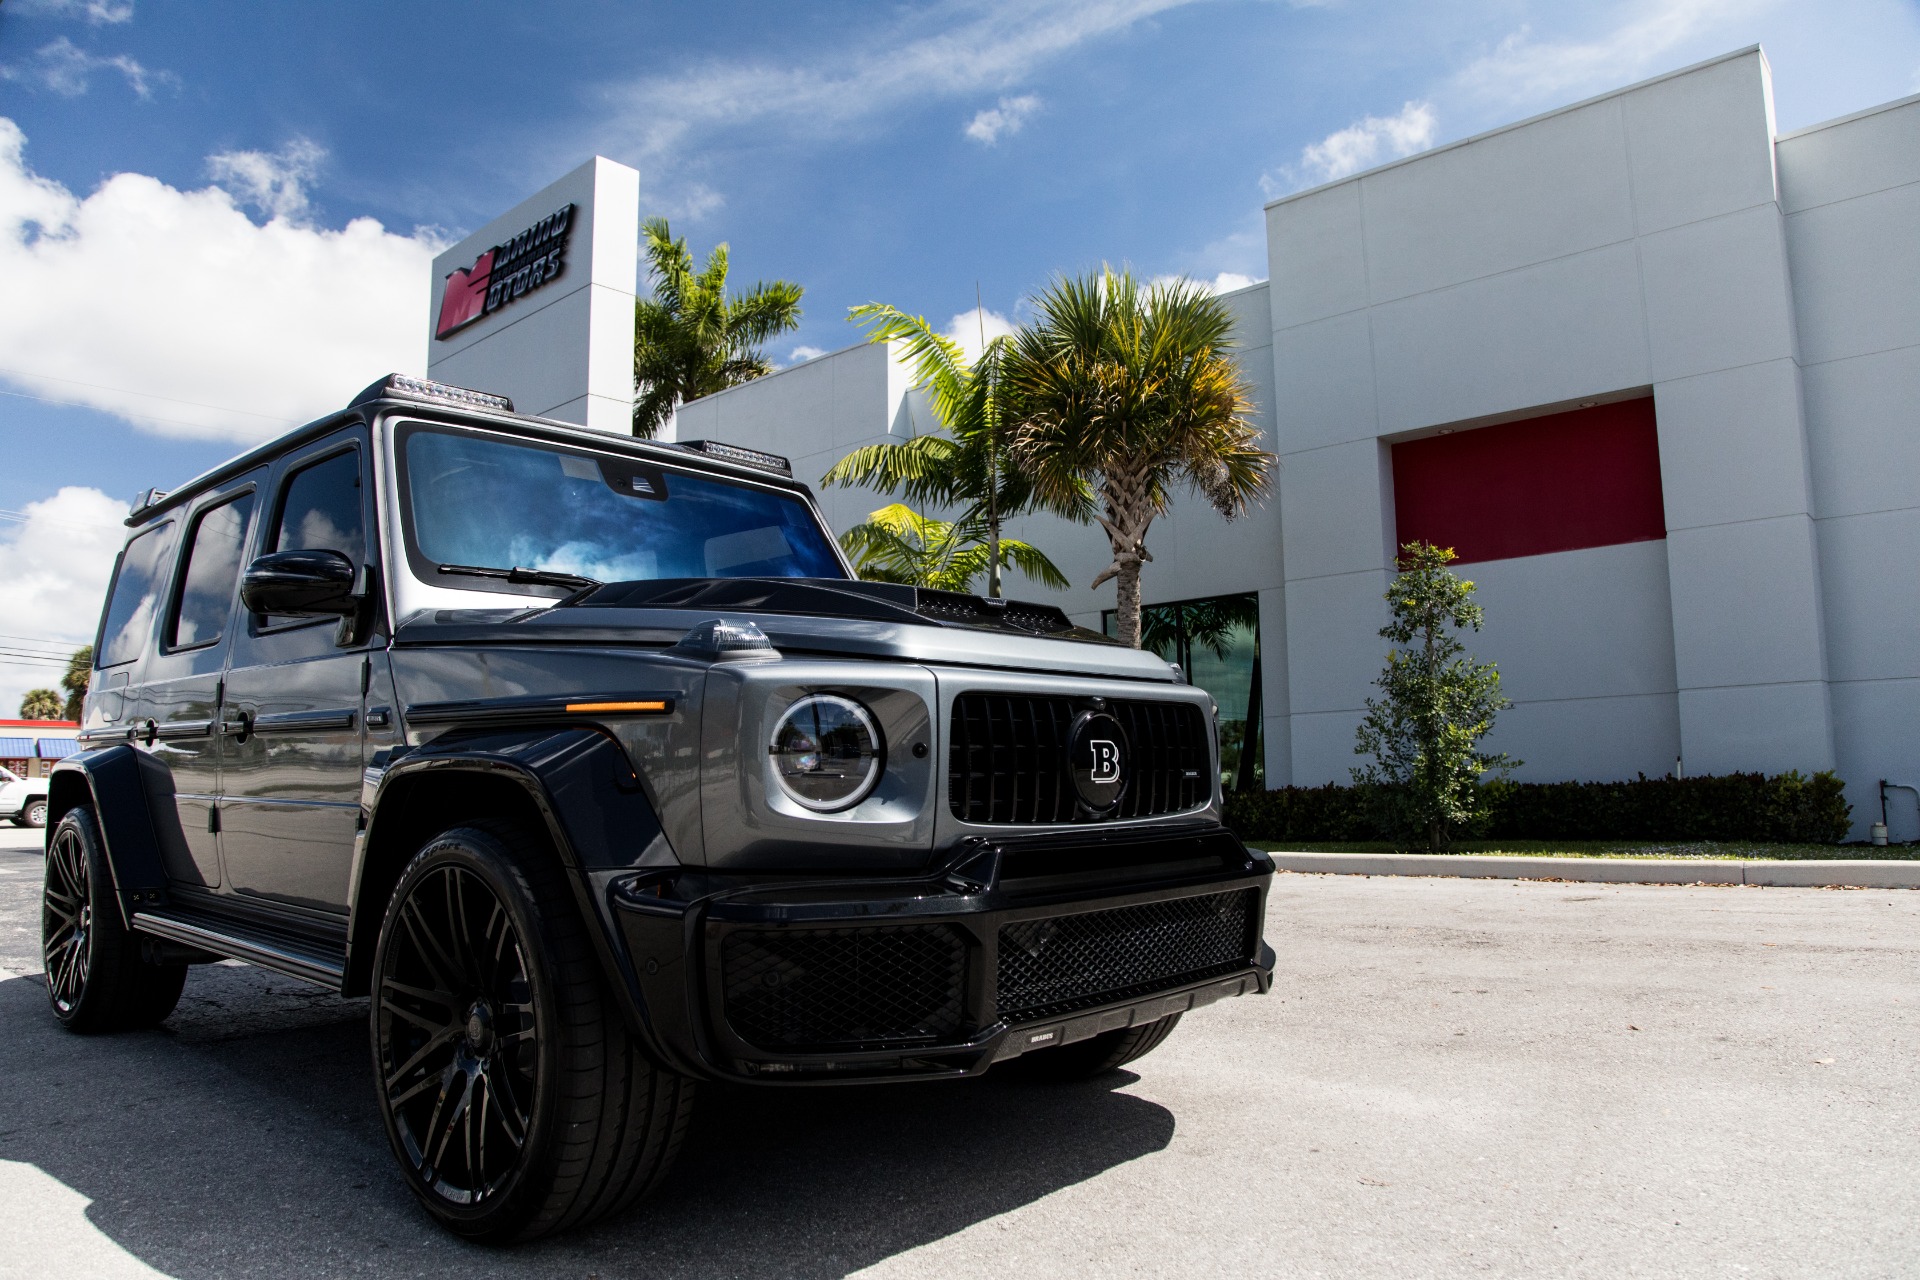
x=236 y=725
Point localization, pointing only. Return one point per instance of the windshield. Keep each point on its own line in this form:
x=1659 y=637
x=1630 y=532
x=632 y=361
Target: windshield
x=488 y=502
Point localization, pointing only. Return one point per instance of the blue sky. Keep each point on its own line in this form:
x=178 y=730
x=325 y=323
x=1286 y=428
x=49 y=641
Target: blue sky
x=220 y=287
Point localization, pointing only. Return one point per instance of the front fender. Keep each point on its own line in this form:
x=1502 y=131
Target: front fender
x=116 y=782
x=574 y=782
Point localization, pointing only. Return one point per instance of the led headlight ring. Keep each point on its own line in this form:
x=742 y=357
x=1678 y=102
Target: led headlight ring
x=827 y=753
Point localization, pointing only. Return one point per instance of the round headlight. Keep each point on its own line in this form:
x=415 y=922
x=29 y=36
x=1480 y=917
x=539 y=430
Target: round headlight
x=827 y=752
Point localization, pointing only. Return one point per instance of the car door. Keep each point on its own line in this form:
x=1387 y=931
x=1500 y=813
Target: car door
x=180 y=696
x=290 y=783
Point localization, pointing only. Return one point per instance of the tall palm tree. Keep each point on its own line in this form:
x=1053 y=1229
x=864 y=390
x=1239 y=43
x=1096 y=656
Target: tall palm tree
x=690 y=339
x=1132 y=391
x=898 y=544
x=966 y=465
x=79 y=674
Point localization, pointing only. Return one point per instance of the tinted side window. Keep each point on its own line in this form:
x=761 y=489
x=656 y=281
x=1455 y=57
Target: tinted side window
x=320 y=509
x=212 y=568
x=134 y=599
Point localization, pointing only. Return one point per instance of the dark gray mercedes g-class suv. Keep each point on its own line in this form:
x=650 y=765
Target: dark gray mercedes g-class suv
x=589 y=761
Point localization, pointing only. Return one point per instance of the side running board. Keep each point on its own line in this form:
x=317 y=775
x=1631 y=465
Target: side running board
x=297 y=957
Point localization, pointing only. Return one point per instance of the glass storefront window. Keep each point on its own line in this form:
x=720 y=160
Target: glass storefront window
x=1216 y=641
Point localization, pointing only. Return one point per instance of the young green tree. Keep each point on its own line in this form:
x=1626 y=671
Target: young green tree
x=1132 y=390
x=691 y=339
x=898 y=544
x=40 y=704
x=1437 y=704
x=966 y=464
x=79 y=672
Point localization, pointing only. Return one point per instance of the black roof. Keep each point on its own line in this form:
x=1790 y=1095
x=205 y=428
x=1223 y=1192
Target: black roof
x=379 y=399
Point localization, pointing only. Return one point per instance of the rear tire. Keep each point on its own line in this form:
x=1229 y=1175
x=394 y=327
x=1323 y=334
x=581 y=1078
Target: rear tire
x=514 y=1097
x=1108 y=1051
x=96 y=980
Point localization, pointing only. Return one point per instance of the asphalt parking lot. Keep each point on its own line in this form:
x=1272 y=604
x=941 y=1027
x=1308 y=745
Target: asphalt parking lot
x=1452 y=1077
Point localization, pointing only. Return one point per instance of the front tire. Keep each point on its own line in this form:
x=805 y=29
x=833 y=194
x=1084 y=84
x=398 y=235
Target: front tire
x=96 y=980
x=32 y=814
x=513 y=1096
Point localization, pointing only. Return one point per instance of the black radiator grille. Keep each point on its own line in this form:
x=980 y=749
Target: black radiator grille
x=1008 y=760
x=820 y=989
x=1063 y=963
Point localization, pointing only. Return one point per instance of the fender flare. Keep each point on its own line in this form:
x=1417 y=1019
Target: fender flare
x=589 y=798
x=115 y=781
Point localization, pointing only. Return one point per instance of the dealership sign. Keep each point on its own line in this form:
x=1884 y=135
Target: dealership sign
x=506 y=272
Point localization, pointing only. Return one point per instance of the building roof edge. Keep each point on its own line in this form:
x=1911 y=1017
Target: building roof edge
x=1849 y=118
x=1521 y=124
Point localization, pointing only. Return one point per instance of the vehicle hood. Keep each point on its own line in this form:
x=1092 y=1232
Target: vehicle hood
x=807 y=617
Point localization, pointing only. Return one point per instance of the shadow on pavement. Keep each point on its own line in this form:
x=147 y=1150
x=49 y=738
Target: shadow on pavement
x=262 y=1154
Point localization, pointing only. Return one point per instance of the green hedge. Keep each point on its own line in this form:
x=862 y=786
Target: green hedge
x=1787 y=807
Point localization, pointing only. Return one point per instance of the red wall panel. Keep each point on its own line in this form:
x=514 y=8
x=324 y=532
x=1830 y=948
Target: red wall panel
x=1587 y=478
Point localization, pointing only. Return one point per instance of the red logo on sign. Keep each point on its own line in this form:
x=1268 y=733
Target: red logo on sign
x=466 y=297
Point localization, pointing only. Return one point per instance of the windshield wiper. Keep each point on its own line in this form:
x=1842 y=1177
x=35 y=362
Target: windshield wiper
x=531 y=577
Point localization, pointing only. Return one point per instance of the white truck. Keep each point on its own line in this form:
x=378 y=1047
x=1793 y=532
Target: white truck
x=24 y=800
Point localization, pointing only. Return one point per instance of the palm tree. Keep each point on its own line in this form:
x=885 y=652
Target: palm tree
x=40 y=704
x=79 y=675
x=967 y=465
x=690 y=339
x=898 y=544
x=1132 y=390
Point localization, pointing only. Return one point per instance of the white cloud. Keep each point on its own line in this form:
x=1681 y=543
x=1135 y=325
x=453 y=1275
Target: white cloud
x=926 y=55
x=1521 y=71
x=63 y=67
x=175 y=311
x=801 y=354
x=96 y=12
x=1008 y=118
x=55 y=560
x=1374 y=140
x=274 y=183
x=976 y=327
x=688 y=202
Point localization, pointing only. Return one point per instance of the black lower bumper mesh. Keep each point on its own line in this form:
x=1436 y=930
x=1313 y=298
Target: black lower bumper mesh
x=821 y=989
x=1063 y=963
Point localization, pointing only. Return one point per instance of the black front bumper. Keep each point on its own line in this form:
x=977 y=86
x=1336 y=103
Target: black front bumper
x=1016 y=944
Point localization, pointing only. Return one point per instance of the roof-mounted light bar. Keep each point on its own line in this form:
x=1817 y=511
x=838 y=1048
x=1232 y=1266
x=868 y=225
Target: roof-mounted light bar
x=401 y=386
x=745 y=457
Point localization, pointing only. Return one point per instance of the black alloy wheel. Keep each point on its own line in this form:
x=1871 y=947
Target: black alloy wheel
x=514 y=1098
x=459 y=1047
x=66 y=922
x=97 y=979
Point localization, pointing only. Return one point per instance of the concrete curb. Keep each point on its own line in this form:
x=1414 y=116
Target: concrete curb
x=1844 y=873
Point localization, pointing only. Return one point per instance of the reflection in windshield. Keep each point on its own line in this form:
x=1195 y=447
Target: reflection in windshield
x=479 y=500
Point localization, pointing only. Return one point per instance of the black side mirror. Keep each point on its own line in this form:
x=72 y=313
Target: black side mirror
x=305 y=584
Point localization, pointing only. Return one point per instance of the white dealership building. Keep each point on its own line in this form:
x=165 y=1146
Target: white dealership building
x=1651 y=366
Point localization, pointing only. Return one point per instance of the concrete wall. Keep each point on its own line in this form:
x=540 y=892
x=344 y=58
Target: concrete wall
x=1851 y=194
x=1634 y=241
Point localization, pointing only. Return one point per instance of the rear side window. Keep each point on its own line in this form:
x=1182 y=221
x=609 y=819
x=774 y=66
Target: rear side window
x=207 y=579
x=134 y=599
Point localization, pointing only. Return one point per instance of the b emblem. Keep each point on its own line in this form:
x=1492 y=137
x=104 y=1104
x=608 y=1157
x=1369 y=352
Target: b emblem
x=1097 y=759
x=1106 y=760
